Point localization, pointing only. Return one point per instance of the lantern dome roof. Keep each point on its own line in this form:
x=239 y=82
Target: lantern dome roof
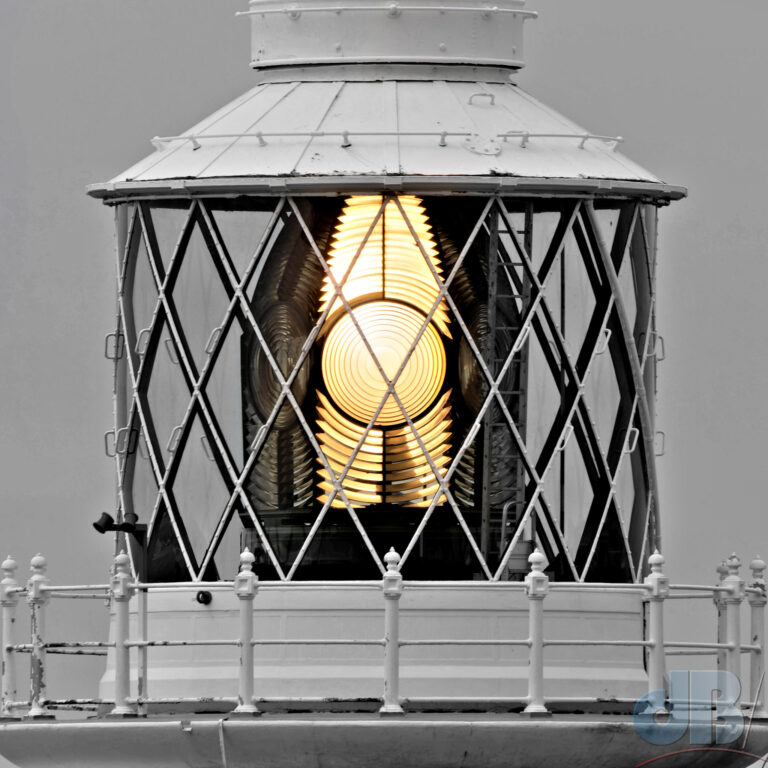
x=416 y=95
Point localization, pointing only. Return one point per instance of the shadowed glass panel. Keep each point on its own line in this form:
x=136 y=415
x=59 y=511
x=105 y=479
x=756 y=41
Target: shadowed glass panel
x=167 y=222
x=241 y=227
x=199 y=297
x=167 y=393
x=198 y=490
x=143 y=295
x=224 y=391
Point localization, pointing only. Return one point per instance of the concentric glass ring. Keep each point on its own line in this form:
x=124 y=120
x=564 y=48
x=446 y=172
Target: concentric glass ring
x=352 y=377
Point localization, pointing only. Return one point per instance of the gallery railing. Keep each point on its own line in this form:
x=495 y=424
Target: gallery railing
x=728 y=596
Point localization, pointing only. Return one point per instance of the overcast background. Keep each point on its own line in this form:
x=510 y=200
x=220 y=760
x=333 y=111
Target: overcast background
x=84 y=85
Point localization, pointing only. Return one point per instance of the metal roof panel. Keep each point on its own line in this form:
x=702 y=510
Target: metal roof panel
x=421 y=127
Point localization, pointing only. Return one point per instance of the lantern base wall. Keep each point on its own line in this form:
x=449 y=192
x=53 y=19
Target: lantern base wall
x=311 y=672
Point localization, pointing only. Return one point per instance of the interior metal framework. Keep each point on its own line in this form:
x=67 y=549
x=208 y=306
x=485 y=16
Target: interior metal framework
x=548 y=395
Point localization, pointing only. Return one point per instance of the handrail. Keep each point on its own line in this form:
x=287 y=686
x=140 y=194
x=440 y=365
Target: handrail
x=728 y=595
x=294 y=11
x=159 y=142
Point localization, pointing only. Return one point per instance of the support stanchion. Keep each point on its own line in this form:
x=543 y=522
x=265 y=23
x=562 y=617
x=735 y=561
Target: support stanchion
x=9 y=599
x=392 y=587
x=246 y=586
x=122 y=589
x=733 y=596
x=536 y=589
x=757 y=601
x=722 y=572
x=37 y=598
x=658 y=591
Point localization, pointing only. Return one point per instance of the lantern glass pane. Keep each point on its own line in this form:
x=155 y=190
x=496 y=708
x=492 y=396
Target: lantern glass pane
x=514 y=382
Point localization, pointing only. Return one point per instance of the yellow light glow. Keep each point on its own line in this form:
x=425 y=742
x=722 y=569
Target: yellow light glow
x=352 y=377
x=392 y=453
x=391 y=289
x=407 y=276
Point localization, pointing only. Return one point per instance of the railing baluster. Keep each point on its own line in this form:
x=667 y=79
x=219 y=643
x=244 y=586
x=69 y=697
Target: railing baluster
x=392 y=587
x=719 y=601
x=757 y=601
x=122 y=589
x=536 y=589
x=734 y=594
x=658 y=591
x=9 y=599
x=246 y=586
x=37 y=598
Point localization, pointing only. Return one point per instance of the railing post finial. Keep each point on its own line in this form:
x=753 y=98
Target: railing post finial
x=758 y=566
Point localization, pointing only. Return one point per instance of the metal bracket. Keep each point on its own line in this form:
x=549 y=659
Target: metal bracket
x=173 y=440
x=659 y=349
x=604 y=341
x=171 y=351
x=565 y=438
x=482 y=145
x=207 y=448
x=632 y=436
x=213 y=340
x=126 y=440
x=114 y=350
x=141 y=341
x=483 y=94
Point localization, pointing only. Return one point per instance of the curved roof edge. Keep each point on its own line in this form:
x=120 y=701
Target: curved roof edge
x=112 y=192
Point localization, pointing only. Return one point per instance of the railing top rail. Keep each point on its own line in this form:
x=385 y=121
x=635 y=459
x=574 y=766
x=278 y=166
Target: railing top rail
x=413 y=583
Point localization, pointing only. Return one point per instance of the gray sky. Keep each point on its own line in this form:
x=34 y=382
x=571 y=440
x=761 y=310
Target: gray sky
x=86 y=83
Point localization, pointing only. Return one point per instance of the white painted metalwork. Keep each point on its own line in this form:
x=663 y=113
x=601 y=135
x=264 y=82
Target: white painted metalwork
x=655 y=590
x=245 y=589
x=733 y=586
x=756 y=595
x=9 y=598
x=310 y=32
x=122 y=590
x=536 y=588
x=537 y=325
x=393 y=591
x=658 y=590
x=297 y=129
x=37 y=599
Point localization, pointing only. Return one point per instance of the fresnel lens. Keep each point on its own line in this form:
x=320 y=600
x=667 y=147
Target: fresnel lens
x=387 y=334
